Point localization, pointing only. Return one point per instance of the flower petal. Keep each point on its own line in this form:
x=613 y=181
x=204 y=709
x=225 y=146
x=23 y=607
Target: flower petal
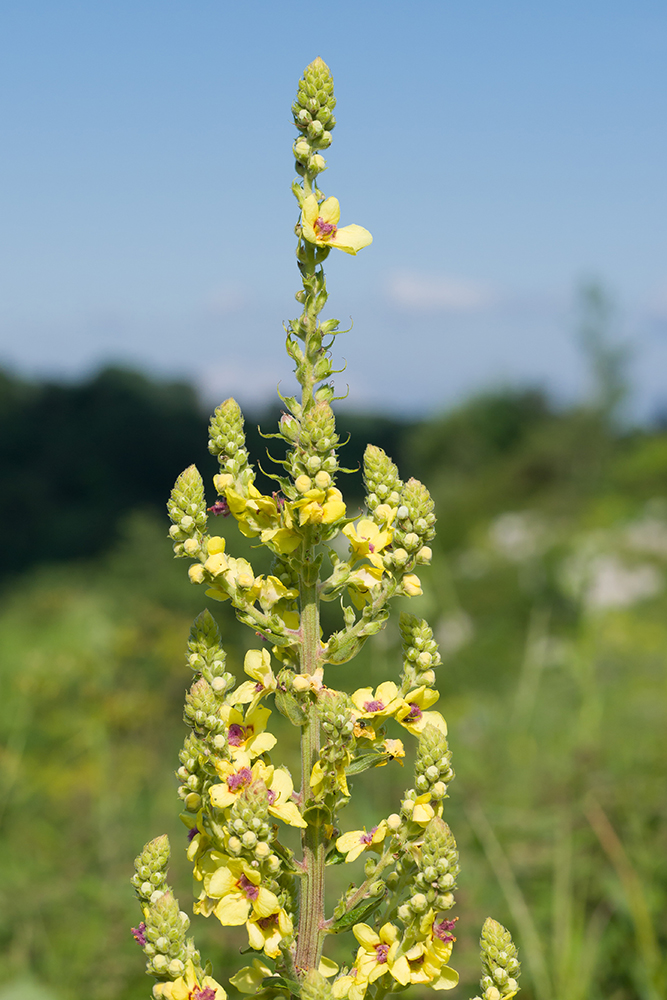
x=351 y=239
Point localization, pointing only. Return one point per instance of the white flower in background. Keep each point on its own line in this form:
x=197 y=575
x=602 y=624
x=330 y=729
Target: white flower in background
x=454 y=632
x=517 y=536
x=612 y=584
x=648 y=535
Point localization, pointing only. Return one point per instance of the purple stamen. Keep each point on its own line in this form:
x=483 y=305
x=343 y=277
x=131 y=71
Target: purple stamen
x=236 y=735
x=246 y=886
x=207 y=994
x=271 y=796
x=242 y=778
x=259 y=687
x=220 y=507
x=265 y=922
x=415 y=712
x=192 y=833
x=138 y=933
x=371 y=547
x=325 y=228
x=381 y=950
x=442 y=930
x=367 y=838
x=373 y=706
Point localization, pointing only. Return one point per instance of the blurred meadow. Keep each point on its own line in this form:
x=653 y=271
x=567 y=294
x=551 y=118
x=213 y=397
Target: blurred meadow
x=547 y=593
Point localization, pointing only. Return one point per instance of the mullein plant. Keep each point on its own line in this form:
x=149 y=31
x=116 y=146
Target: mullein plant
x=236 y=796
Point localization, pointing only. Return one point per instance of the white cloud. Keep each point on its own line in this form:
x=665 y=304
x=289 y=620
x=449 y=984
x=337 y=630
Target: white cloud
x=440 y=293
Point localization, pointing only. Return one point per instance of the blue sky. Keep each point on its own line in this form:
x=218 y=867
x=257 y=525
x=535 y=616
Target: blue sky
x=499 y=151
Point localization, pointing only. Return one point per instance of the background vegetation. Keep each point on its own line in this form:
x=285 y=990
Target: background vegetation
x=548 y=597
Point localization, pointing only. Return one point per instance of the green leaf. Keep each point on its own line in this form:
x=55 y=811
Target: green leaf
x=357 y=915
x=364 y=761
x=287 y=705
x=335 y=858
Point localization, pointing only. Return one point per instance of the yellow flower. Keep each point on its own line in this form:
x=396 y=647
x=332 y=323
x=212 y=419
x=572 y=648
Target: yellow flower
x=188 y=987
x=320 y=506
x=378 y=954
x=428 y=957
x=367 y=541
x=257 y=664
x=240 y=894
x=273 y=590
x=245 y=733
x=356 y=842
x=361 y=582
x=394 y=750
x=249 y=978
x=267 y=932
x=350 y=987
x=412 y=585
x=317 y=776
x=412 y=715
x=420 y=809
x=320 y=226
x=238 y=776
x=385 y=702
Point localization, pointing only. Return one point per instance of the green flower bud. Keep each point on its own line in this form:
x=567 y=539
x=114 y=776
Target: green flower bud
x=315 y=96
x=249 y=817
x=420 y=650
x=415 y=516
x=187 y=509
x=165 y=931
x=206 y=656
x=381 y=478
x=500 y=964
x=202 y=711
x=227 y=441
x=151 y=867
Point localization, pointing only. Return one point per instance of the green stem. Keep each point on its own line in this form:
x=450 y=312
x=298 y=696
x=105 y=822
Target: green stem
x=311 y=913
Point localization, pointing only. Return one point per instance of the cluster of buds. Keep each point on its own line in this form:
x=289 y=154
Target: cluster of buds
x=500 y=964
x=187 y=510
x=202 y=713
x=162 y=932
x=195 y=772
x=415 y=521
x=337 y=721
x=248 y=824
x=313 y=116
x=313 y=462
x=206 y=656
x=381 y=479
x=438 y=866
x=420 y=651
x=227 y=442
x=433 y=768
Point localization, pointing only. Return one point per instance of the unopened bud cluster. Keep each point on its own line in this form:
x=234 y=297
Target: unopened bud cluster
x=206 y=656
x=313 y=116
x=438 y=865
x=195 y=772
x=150 y=868
x=415 y=520
x=187 y=510
x=338 y=729
x=248 y=824
x=313 y=462
x=165 y=947
x=420 y=650
x=227 y=442
x=500 y=964
x=381 y=479
x=433 y=768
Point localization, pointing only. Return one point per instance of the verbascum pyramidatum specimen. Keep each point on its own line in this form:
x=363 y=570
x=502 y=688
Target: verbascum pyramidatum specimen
x=235 y=791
